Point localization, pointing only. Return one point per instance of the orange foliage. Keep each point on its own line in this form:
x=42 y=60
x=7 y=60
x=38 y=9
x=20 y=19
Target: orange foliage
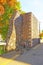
x=11 y=2
x=1 y=18
x=1 y=9
x=1 y=24
x=41 y=35
x=2 y=1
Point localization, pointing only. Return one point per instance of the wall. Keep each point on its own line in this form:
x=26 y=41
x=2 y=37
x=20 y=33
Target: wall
x=26 y=29
x=11 y=38
x=35 y=30
x=23 y=31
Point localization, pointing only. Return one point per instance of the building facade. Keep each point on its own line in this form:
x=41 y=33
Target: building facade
x=29 y=30
x=24 y=31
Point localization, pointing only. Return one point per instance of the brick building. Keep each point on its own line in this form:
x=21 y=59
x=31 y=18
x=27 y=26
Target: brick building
x=23 y=31
x=30 y=29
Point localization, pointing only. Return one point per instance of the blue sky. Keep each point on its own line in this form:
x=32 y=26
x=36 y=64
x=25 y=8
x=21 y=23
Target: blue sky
x=35 y=6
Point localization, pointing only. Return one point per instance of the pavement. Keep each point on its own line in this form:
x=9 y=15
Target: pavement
x=9 y=59
x=34 y=56
x=5 y=61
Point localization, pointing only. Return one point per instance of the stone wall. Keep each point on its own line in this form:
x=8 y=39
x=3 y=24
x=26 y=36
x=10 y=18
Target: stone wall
x=11 y=38
x=12 y=41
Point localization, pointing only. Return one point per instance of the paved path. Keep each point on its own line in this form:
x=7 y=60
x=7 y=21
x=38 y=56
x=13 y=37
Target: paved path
x=5 y=61
x=9 y=59
x=33 y=56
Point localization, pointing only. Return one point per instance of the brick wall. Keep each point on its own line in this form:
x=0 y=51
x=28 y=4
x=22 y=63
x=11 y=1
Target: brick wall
x=30 y=32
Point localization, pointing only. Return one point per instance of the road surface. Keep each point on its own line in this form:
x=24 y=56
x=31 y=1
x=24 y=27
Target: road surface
x=33 y=56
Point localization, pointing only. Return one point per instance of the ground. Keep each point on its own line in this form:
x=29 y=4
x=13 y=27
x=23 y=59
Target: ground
x=34 y=56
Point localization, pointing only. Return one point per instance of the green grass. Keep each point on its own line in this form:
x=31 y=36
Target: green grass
x=2 y=49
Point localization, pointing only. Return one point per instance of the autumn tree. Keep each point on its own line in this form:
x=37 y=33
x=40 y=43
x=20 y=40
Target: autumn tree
x=7 y=8
x=41 y=34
